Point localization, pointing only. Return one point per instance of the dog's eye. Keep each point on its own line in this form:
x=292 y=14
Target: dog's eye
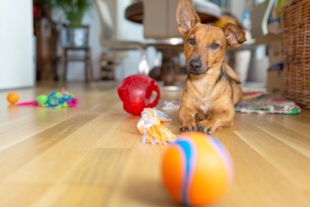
x=214 y=46
x=192 y=41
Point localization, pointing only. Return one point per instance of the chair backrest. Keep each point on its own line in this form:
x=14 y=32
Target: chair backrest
x=159 y=19
x=259 y=18
x=106 y=19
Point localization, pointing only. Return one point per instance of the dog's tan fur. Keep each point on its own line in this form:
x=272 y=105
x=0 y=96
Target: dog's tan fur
x=211 y=89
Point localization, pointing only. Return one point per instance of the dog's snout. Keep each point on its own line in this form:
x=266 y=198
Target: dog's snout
x=195 y=64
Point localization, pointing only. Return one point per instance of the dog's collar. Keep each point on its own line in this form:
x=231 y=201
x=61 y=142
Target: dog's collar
x=223 y=74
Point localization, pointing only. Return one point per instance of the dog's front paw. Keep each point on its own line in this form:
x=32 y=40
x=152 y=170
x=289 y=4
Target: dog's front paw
x=206 y=127
x=185 y=127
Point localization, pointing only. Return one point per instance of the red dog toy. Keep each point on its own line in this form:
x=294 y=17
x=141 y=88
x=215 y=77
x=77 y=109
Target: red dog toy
x=135 y=92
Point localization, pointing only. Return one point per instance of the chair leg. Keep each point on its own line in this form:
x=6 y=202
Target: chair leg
x=113 y=66
x=91 y=70
x=64 y=64
x=90 y=64
x=86 y=70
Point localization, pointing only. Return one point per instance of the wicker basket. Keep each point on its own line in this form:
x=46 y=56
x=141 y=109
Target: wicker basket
x=296 y=42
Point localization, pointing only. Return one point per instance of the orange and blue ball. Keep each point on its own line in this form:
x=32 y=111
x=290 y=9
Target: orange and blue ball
x=197 y=169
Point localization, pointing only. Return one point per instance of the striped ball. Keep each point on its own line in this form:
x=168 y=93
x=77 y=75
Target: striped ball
x=197 y=169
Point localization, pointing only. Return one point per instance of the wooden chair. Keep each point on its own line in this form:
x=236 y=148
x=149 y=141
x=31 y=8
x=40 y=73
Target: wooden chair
x=86 y=58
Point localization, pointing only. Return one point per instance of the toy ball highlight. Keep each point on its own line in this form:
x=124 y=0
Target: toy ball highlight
x=12 y=97
x=197 y=169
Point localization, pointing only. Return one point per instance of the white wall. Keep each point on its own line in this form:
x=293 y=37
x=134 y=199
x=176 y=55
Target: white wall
x=16 y=44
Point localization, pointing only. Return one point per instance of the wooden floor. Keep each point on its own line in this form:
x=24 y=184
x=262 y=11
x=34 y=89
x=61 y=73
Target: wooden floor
x=93 y=156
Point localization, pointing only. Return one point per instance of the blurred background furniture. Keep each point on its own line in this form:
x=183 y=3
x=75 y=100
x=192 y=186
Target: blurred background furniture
x=85 y=57
x=259 y=17
x=107 y=67
x=250 y=60
x=207 y=11
x=260 y=60
x=296 y=48
x=46 y=49
x=46 y=33
x=161 y=31
x=113 y=45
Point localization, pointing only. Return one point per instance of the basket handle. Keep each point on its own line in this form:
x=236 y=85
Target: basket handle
x=296 y=1
x=290 y=3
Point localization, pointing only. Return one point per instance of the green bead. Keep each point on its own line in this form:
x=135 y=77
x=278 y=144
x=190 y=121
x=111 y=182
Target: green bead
x=294 y=111
x=59 y=95
x=42 y=99
x=58 y=107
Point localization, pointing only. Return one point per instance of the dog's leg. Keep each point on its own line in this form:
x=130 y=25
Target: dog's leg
x=187 y=119
x=238 y=93
x=224 y=119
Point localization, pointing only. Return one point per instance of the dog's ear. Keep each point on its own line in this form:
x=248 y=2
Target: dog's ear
x=234 y=35
x=187 y=17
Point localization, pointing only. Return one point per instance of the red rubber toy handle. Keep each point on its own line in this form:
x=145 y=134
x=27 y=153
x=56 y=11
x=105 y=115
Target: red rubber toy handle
x=156 y=101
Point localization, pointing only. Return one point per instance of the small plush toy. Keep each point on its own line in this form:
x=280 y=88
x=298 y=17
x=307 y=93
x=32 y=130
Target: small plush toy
x=150 y=126
x=62 y=99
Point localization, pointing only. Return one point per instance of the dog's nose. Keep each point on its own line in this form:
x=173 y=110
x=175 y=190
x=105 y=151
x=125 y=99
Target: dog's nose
x=195 y=64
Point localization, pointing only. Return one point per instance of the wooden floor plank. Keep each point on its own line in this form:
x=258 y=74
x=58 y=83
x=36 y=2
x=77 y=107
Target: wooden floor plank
x=16 y=194
x=141 y=185
x=55 y=162
x=297 y=141
x=95 y=196
x=52 y=196
x=74 y=195
x=123 y=134
x=34 y=147
x=20 y=129
x=99 y=167
x=234 y=197
x=254 y=176
x=291 y=163
x=93 y=155
x=249 y=122
x=294 y=123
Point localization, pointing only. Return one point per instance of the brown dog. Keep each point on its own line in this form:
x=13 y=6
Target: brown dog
x=211 y=89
